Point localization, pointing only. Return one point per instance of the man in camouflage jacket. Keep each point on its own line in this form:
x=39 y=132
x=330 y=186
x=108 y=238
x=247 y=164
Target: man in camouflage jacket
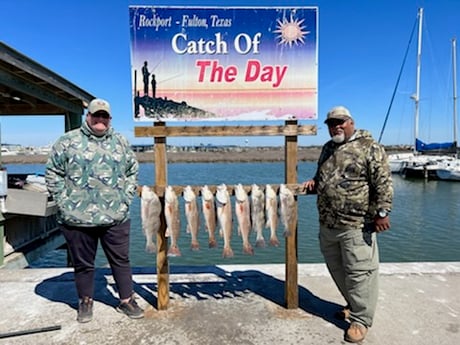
x=355 y=192
x=91 y=173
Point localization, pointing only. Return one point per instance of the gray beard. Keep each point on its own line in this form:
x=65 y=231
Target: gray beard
x=338 y=138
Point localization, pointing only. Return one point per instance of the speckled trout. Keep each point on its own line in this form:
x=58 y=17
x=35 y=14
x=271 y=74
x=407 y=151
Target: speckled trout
x=258 y=214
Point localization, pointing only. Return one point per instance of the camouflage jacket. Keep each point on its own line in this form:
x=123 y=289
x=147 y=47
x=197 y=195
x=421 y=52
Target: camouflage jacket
x=353 y=181
x=92 y=178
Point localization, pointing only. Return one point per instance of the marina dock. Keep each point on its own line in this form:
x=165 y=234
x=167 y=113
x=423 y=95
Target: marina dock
x=419 y=304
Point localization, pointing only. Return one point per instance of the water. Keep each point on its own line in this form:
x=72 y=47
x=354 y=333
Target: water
x=424 y=218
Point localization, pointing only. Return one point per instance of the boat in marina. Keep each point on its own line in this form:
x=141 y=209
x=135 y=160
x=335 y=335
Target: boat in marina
x=426 y=157
x=426 y=167
x=449 y=171
x=409 y=163
x=439 y=167
x=7 y=152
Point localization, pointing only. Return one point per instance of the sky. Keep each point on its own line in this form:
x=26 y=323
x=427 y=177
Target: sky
x=361 y=48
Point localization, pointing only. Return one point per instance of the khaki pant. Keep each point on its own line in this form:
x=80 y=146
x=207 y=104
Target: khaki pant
x=353 y=260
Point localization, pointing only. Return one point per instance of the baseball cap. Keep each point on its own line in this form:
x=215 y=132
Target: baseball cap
x=99 y=104
x=339 y=113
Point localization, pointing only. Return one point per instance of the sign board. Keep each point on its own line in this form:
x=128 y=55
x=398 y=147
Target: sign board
x=224 y=63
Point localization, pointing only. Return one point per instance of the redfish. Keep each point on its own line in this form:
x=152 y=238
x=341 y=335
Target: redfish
x=172 y=220
x=191 y=214
x=242 y=210
x=287 y=208
x=271 y=213
x=150 y=217
x=224 y=216
x=209 y=213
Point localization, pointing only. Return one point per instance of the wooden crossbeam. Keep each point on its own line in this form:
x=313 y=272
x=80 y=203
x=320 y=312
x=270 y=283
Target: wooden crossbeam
x=234 y=131
x=291 y=130
x=296 y=188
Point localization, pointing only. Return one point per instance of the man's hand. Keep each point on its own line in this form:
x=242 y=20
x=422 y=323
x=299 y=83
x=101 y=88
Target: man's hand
x=309 y=185
x=381 y=224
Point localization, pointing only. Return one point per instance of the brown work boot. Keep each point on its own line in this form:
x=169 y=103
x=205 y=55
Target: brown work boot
x=343 y=314
x=356 y=333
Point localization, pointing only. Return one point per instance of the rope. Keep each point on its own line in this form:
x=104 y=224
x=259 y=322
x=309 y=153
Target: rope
x=398 y=80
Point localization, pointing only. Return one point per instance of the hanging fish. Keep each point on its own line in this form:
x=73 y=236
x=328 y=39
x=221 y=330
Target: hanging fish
x=209 y=214
x=150 y=217
x=257 y=214
x=287 y=208
x=191 y=214
x=172 y=220
x=271 y=213
x=242 y=210
x=224 y=217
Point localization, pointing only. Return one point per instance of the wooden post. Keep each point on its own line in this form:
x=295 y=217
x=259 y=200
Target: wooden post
x=161 y=180
x=291 y=290
x=291 y=130
x=2 y=234
x=72 y=121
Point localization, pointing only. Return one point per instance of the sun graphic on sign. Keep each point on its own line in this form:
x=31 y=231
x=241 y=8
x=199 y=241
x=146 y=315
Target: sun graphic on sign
x=290 y=31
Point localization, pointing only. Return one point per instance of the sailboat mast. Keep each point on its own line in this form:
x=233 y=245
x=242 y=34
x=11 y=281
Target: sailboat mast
x=454 y=78
x=417 y=87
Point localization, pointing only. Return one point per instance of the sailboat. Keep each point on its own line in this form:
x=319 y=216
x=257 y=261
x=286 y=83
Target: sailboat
x=450 y=170
x=420 y=163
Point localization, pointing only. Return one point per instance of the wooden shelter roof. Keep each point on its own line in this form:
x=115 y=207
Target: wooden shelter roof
x=29 y=88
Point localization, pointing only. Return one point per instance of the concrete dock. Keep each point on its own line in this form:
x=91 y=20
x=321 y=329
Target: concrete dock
x=419 y=304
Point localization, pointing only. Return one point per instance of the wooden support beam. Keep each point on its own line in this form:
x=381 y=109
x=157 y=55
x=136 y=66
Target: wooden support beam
x=161 y=180
x=291 y=290
x=37 y=92
x=290 y=129
x=295 y=188
x=72 y=121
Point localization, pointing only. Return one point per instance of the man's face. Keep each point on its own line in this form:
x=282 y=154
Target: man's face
x=99 y=121
x=340 y=130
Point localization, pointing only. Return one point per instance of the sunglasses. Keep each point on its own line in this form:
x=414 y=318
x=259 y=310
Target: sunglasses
x=335 y=122
x=101 y=114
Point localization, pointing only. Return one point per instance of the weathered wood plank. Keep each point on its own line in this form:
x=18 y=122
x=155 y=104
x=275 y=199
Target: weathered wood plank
x=291 y=290
x=291 y=131
x=199 y=131
x=162 y=241
x=296 y=188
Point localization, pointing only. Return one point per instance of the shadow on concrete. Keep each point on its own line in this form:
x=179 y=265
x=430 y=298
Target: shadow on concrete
x=62 y=289
x=226 y=285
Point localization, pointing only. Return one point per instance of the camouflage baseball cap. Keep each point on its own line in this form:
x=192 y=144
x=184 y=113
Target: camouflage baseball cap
x=338 y=113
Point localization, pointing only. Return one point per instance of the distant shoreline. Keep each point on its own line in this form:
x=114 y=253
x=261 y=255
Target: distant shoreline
x=235 y=155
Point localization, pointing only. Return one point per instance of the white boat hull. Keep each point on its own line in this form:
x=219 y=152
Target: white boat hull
x=450 y=175
x=449 y=170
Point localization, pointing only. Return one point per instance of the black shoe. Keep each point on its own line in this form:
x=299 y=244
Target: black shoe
x=85 y=310
x=131 y=309
x=343 y=314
